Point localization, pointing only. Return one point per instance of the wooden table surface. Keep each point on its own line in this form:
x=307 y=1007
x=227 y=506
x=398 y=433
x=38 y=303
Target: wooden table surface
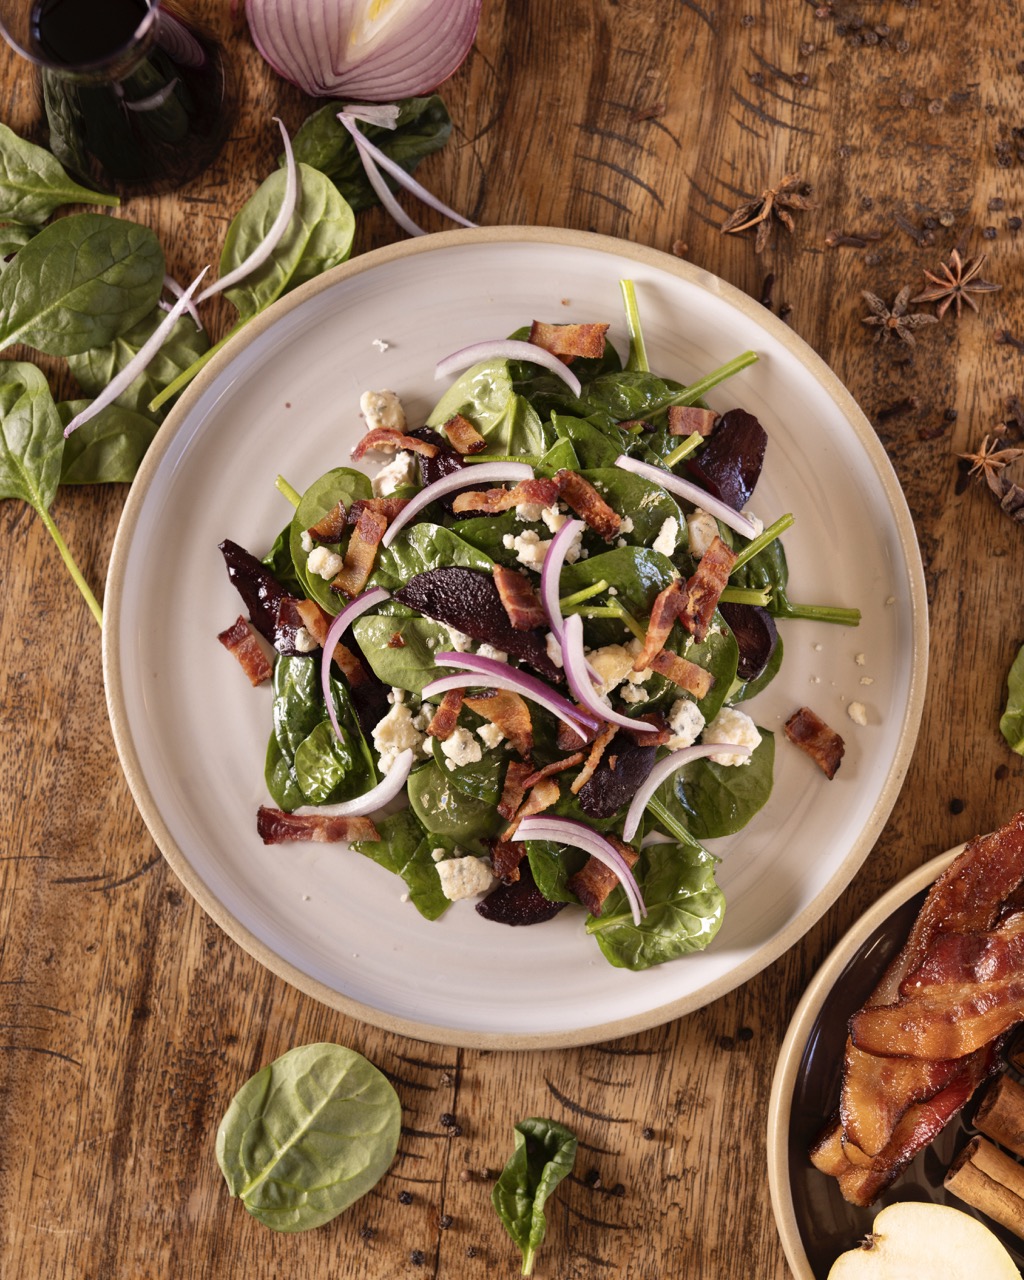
x=128 y=1019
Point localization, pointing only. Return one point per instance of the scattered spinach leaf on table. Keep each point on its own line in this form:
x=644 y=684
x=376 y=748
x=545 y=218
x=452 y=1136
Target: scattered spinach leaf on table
x=33 y=184
x=308 y=1135
x=108 y=448
x=1011 y=724
x=545 y=1152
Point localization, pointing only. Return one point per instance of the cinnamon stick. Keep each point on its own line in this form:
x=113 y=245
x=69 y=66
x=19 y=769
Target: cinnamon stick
x=1000 y=1114
x=991 y=1181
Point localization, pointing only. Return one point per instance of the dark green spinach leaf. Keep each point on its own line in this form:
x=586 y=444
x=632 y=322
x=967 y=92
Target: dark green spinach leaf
x=405 y=848
x=719 y=799
x=341 y=484
x=445 y=811
x=485 y=396
x=483 y=779
x=33 y=184
x=409 y=665
x=108 y=448
x=420 y=547
x=545 y=1153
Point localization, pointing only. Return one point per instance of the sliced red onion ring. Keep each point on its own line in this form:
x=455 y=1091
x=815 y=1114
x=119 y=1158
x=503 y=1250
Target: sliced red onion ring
x=492 y=667
x=394 y=780
x=692 y=492
x=486 y=473
x=558 y=706
x=376 y=52
x=376 y=179
x=172 y=286
x=665 y=768
x=577 y=672
x=138 y=362
x=551 y=571
x=270 y=241
x=506 y=349
x=348 y=615
x=567 y=831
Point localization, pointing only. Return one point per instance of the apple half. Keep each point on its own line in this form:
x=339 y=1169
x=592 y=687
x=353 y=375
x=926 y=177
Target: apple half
x=912 y=1239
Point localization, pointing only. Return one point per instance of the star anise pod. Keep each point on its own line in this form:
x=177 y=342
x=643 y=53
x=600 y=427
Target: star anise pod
x=774 y=204
x=894 y=319
x=990 y=460
x=959 y=279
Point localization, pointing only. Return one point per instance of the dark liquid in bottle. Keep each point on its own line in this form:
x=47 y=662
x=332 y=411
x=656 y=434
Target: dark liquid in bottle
x=130 y=100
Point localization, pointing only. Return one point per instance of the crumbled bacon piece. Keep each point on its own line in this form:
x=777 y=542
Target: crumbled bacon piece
x=643 y=738
x=506 y=856
x=351 y=668
x=567 y=739
x=514 y=789
x=446 y=717
x=240 y=641
x=594 y=881
x=329 y=528
x=464 y=436
x=681 y=671
x=664 y=612
x=388 y=440
x=704 y=589
x=492 y=501
x=588 y=504
x=397 y=640
x=388 y=508
x=275 y=827
x=510 y=713
x=569 y=340
x=811 y=734
x=520 y=600
x=556 y=766
x=593 y=759
x=361 y=552
x=685 y=419
x=541 y=797
x=313 y=618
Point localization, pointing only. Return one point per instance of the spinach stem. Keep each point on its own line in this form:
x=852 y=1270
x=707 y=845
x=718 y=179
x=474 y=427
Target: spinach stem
x=612 y=610
x=578 y=597
x=683 y=450
x=637 y=362
x=73 y=568
x=670 y=824
x=747 y=595
x=816 y=612
x=283 y=487
x=184 y=378
x=531 y=459
x=698 y=389
x=763 y=539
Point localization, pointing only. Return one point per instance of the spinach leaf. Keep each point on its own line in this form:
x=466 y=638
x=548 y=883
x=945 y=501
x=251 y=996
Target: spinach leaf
x=79 y=283
x=446 y=811
x=279 y=561
x=486 y=534
x=647 y=504
x=405 y=848
x=485 y=396
x=96 y=368
x=545 y=1153
x=420 y=547
x=33 y=184
x=482 y=780
x=318 y=237
x=410 y=665
x=636 y=573
x=718 y=799
x=560 y=456
x=1011 y=723
x=719 y=653
x=323 y=761
x=13 y=236
x=108 y=448
x=685 y=908
x=280 y=777
x=594 y=446
x=552 y=865
x=308 y=1135
x=323 y=142
x=341 y=484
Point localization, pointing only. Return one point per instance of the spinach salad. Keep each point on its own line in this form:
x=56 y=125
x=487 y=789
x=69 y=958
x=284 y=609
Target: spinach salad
x=512 y=664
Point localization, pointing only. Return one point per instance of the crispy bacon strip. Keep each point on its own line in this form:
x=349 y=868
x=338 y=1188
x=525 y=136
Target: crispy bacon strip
x=685 y=419
x=493 y=501
x=464 y=436
x=313 y=618
x=541 y=797
x=510 y=713
x=569 y=340
x=329 y=528
x=388 y=508
x=567 y=740
x=811 y=734
x=351 y=668
x=388 y=440
x=588 y=504
x=704 y=589
x=594 y=881
x=556 y=766
x=505 y=859
x=240 y=641
x=681 y=671
x=276 y=827
x=519 y=599
x=513 y=792
x=361 y=553
x=593 y=759
x=664 y=612
x=445 y=719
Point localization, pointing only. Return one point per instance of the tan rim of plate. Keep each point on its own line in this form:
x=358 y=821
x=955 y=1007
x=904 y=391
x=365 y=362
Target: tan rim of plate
x=790 y=1055
x=570 y=239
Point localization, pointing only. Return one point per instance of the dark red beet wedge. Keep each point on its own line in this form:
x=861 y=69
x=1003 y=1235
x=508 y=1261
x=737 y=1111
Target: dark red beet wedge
x=520 y=902
x=263 y=596
x=729 y=464
x=445 y=462
x=756 y=634
x=623 y=768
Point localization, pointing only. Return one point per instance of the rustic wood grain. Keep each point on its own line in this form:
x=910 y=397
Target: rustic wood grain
x=128 y=1020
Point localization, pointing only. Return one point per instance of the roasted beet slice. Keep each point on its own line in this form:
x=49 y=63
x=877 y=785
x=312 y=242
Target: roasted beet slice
x=624 y=766
x=445 y=462
x=729 y=464
x=470 y=601
x=756 y=634
x=263 y=596
x=519 y=902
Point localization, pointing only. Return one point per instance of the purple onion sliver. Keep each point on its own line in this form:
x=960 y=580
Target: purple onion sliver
x=551 y=571
x=506 y=349
x=348 y=615
x=577 y=672
x=664 y=769
x=472 y=679
x=692 y=492
x=538 y=689
x=485 y=473
x=394 y=780
x=384 y=193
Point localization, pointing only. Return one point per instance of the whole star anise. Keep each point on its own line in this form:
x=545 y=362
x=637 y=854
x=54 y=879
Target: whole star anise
x=774 y=204
x=894 y=319
x=959 y=279
x=990 y=460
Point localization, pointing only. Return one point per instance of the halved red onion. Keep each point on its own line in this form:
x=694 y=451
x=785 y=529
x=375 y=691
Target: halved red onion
x=506 y=349
x=551 y=571
x=122 y=381
x=552 y=702
x=692 y=492
x=378 y=52
x=664 y=769
x=492 y=667
x=368 y=600
x=486 y=473
x=270 y=241
x=578 y=673
x=394 y=780
x=569 y=832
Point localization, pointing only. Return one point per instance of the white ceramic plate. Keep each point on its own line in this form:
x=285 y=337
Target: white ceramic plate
x=191 y=733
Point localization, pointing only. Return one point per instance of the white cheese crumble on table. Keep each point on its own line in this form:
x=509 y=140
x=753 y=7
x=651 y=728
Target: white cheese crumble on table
x=396 y=733
x=701 y=530
x=668 y=536
x=400 y=470
x=326 y=563
x=857 y=712
x=380 y=344
x=382 y=409
x=686 y=720
x=461 y=748
x=464 y=877
x=736 y=727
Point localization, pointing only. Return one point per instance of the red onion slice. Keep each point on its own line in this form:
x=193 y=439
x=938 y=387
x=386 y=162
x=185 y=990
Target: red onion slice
x=567 y=831
x=551 y=571
x=383 y=115
x=506 y=349
x=138 y=362
x=486 y=473
x=665 y=768
x=692 y=492
x=577 y=672
x=172 y=286
x=384 y=193
x=492 y=667
x=270 y=241
x=394 y=780
x=348 y=615
x=558 y=706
